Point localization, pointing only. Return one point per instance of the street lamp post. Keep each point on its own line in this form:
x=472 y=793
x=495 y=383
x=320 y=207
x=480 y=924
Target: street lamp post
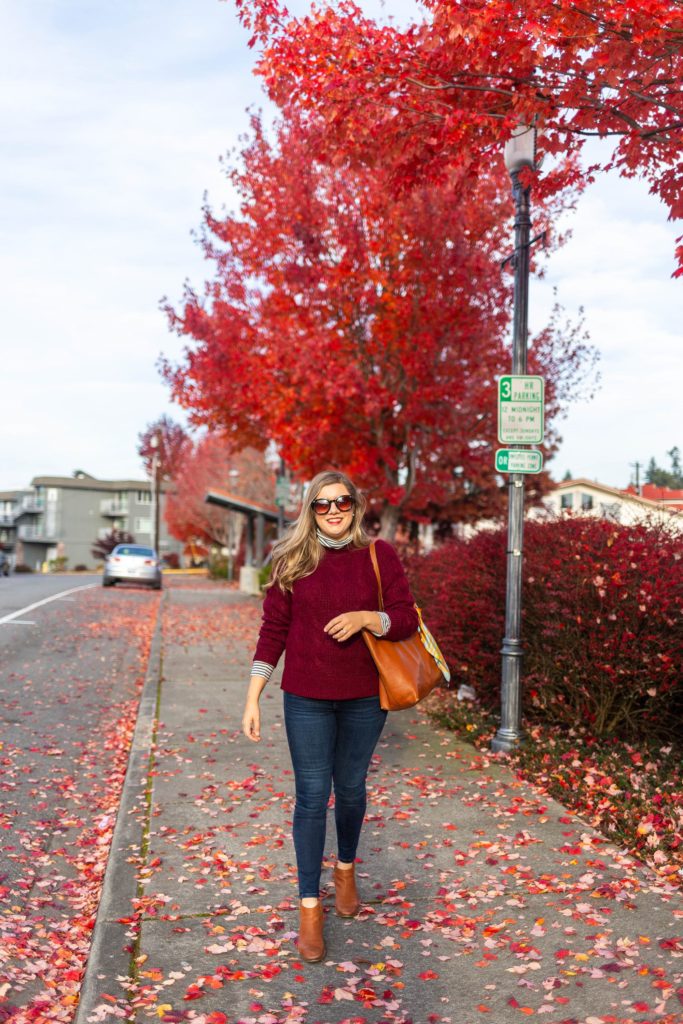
x=520 y=152
x=281 y=486
x=154 y=442
x=232 y=474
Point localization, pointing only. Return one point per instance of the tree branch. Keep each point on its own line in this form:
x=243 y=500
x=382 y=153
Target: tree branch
x=655 y=102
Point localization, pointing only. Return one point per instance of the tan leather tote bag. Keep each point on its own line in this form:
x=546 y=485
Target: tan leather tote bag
x=408 y=669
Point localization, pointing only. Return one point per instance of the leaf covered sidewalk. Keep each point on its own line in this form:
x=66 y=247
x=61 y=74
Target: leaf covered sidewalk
x=482 y=900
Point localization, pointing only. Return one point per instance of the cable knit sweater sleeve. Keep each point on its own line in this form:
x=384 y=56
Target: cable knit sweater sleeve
x=398 y=601
x=277 y=615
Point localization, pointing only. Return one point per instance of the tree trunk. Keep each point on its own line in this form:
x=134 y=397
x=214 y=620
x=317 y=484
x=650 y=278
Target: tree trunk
x=389 y=522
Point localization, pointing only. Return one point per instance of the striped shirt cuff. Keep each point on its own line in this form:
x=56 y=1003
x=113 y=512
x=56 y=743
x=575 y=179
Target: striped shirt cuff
x=386 y=624
x=262 y=668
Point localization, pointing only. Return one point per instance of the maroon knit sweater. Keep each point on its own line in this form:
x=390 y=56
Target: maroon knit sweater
x=293 y=622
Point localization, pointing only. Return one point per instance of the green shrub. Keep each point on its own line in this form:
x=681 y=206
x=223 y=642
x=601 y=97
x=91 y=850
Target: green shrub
x=264 y=575
x=218 y=568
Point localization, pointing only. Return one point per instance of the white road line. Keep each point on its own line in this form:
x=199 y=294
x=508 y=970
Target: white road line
x=18 y=622
x=46 y=600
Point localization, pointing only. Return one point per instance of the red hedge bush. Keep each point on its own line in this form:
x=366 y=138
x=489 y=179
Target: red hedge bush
x=602 y=621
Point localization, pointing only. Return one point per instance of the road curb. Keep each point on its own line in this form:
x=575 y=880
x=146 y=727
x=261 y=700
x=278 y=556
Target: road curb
x=108 y=957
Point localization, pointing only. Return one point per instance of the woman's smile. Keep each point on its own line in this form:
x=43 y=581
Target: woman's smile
x=334 y=523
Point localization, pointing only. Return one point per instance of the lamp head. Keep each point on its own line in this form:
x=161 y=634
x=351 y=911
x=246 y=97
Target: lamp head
x=520 y=149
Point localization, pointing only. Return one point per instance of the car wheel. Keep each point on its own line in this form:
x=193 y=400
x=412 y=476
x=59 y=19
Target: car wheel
x=108 y=583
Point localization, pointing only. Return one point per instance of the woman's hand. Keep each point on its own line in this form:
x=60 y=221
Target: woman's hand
x=251 y=721
x=343 y=627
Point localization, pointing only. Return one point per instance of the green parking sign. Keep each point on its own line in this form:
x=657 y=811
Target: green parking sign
x=518 y=460
x=521 y=409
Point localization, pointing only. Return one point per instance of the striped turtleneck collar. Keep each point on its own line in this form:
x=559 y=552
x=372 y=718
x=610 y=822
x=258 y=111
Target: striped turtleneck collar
x=329 y=542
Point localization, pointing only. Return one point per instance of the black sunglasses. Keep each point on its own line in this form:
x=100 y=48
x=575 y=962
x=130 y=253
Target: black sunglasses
x=321 y=506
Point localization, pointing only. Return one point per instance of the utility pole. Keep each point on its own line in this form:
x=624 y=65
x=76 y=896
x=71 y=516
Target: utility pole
x=157 y=504
x=637 y=466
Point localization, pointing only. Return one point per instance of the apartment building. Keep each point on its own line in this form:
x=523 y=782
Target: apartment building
x=62 y=517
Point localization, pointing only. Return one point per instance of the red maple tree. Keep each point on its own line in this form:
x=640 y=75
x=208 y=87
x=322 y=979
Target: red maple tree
x=447 y=91
x=361 y=329
x=208 y=464
x=166 y=440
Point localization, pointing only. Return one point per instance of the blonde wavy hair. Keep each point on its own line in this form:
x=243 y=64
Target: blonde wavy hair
x=300 y=551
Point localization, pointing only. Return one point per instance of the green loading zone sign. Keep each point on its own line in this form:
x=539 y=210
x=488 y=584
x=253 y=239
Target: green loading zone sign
x=518 y=460
x=521 y=410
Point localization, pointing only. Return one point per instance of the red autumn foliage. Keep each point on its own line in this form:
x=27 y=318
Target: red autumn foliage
x=448 y=90
x=171 y=442
x=57 y=831
x=602 y=621
x=210 y=464
x=362 y=330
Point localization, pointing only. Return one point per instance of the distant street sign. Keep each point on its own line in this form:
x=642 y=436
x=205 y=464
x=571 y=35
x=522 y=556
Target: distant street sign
x=282 y=491
x=520 y=409
x=515 y=460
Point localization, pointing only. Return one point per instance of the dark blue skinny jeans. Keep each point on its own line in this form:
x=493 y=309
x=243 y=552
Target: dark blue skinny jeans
x=330 y=742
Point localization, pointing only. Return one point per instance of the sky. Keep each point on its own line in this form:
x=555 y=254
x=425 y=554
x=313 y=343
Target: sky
x=113 y=120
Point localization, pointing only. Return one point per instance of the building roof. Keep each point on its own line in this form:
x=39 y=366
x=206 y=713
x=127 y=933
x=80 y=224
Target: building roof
x=10 y=495
x=85 y=482
x=236 y=504
x=614 y=492
x=671 y=496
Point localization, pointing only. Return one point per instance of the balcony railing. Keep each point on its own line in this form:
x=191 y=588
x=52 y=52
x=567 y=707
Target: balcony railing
x=29 y=503
x=38 y=534
x=113 y=507
x=26 y=505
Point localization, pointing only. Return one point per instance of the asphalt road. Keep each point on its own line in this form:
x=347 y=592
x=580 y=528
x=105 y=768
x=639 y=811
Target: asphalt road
x=72 y=663
x=23 y=589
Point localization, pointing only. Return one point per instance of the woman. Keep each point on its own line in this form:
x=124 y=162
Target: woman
x=322 y=595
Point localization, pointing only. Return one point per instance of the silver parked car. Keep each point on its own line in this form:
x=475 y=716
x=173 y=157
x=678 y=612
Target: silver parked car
x=132 y=563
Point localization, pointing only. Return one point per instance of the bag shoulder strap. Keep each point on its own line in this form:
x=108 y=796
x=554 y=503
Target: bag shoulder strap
x=375 y=565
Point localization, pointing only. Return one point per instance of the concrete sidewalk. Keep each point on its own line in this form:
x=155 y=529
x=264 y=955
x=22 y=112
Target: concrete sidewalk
x=482 y=900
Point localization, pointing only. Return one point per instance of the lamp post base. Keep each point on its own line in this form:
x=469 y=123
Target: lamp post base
x=505 y=741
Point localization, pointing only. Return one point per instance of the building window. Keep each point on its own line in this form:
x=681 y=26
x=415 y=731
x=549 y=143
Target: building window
x=567 y=501
x=611 y=511
x=143 y=524
x=144 y=498
x=586 y=502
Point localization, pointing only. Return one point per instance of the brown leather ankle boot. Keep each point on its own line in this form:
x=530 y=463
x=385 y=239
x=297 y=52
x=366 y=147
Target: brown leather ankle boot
x=346 y=899
x=311 y=942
